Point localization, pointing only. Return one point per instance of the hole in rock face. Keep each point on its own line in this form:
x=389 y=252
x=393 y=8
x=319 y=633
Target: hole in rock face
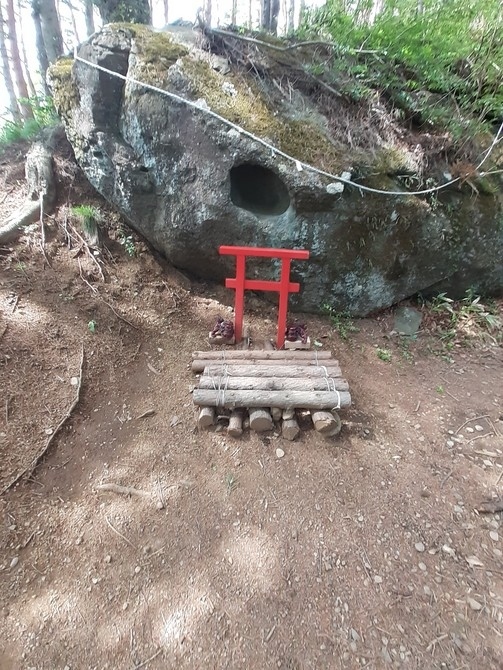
x=258 y=190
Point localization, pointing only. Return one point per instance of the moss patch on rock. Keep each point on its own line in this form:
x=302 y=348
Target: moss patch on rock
x=64 y=88
x=241 y=102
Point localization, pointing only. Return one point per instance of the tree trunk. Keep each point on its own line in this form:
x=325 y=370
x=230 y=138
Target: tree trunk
x=43 y=61
x=7 y=77
x=166 y=12
x=69 y=4
x=17 y=68
x=207 y=12
x=51 y=29
x=234 y=12
x=290 y=17
x=129 y=11
x=29 y=81
x=89 y=16
x=270 y=11
x=250 y=18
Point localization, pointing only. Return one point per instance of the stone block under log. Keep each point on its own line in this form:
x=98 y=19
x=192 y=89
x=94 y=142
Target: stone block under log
x=298 y=344
x=260 y=420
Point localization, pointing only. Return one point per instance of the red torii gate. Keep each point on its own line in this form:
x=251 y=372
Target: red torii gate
x=284 y=286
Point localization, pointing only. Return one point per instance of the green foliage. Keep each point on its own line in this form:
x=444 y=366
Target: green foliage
x=88 y=218
x=341 y=321
x=127 y=242
x=44 y=115
x=466 y=318
x=439 y=62
x=384 y=354
x=92 y=326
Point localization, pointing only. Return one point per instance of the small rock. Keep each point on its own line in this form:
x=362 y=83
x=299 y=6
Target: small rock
x=497 y=552
x=279 y=453
x=137 y=569
x=479 y=428
x=377 y=579
x=125 y=606
x=108 y=558
x=450 y=443
x=14 y=562
x=422 y=566
x=469 y=429
x=74 y=381
x=419 y=546
x=474 y=604
x=159 y=504
x=48 y=431
x=494 y=536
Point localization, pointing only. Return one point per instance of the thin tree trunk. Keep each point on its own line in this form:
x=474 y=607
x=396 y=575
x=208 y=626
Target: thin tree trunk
x=17 y=68
x=29 y=80
x=7 y=77
x=89 y=16
x=290 y=15
x=166 y=8
x=234 y=12
x=51 y=29
x=43 y=61
x=207 y=12
x=74 y=21
x=250 y=20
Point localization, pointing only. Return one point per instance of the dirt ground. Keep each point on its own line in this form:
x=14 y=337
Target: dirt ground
x=366 y=551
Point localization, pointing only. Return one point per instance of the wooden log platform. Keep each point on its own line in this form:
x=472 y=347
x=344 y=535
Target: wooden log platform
x=269 y=382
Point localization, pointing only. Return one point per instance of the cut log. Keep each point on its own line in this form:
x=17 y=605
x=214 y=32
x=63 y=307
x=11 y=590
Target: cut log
x=290 y=429
x=233 y=370
x=276 y=412
x=206 y=417
x=274 y=384
x=235 y=428
x=199 y=364
x=260 y=420
x=283 y=399
x=263 y=354
x=327 y=423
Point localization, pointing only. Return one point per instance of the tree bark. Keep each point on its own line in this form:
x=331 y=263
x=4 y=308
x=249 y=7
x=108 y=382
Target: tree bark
x=89 y=16
x=29 y=81
x=43 y=61
x=51 y=29
x=270 y=11
x=22 y=89
x=234 y=12
x=266 y=354
x=166 y=11
x=236 y=370
x=272 y=383
x=261 y=399
x=290 y=17
x=7 y=77
x=199 y=364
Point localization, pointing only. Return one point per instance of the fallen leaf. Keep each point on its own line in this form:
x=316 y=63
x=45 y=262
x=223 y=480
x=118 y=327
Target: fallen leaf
x=152 y=369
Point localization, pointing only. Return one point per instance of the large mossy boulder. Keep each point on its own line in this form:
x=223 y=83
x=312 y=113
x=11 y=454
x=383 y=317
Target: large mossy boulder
x=189 y=182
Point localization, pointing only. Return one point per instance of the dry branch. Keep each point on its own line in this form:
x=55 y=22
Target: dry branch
x=43 y=451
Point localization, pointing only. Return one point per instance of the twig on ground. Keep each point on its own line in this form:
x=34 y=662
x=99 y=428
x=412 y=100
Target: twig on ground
x=118 y=532
x=15 y=305
x=93 y=289
x=446 y=478
x=3 y=332
x=29 y=470
x=149 y=412
x=125 y=490
x=7 y=402
x=144 y=663
x=478 y=437
x=475 y=418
